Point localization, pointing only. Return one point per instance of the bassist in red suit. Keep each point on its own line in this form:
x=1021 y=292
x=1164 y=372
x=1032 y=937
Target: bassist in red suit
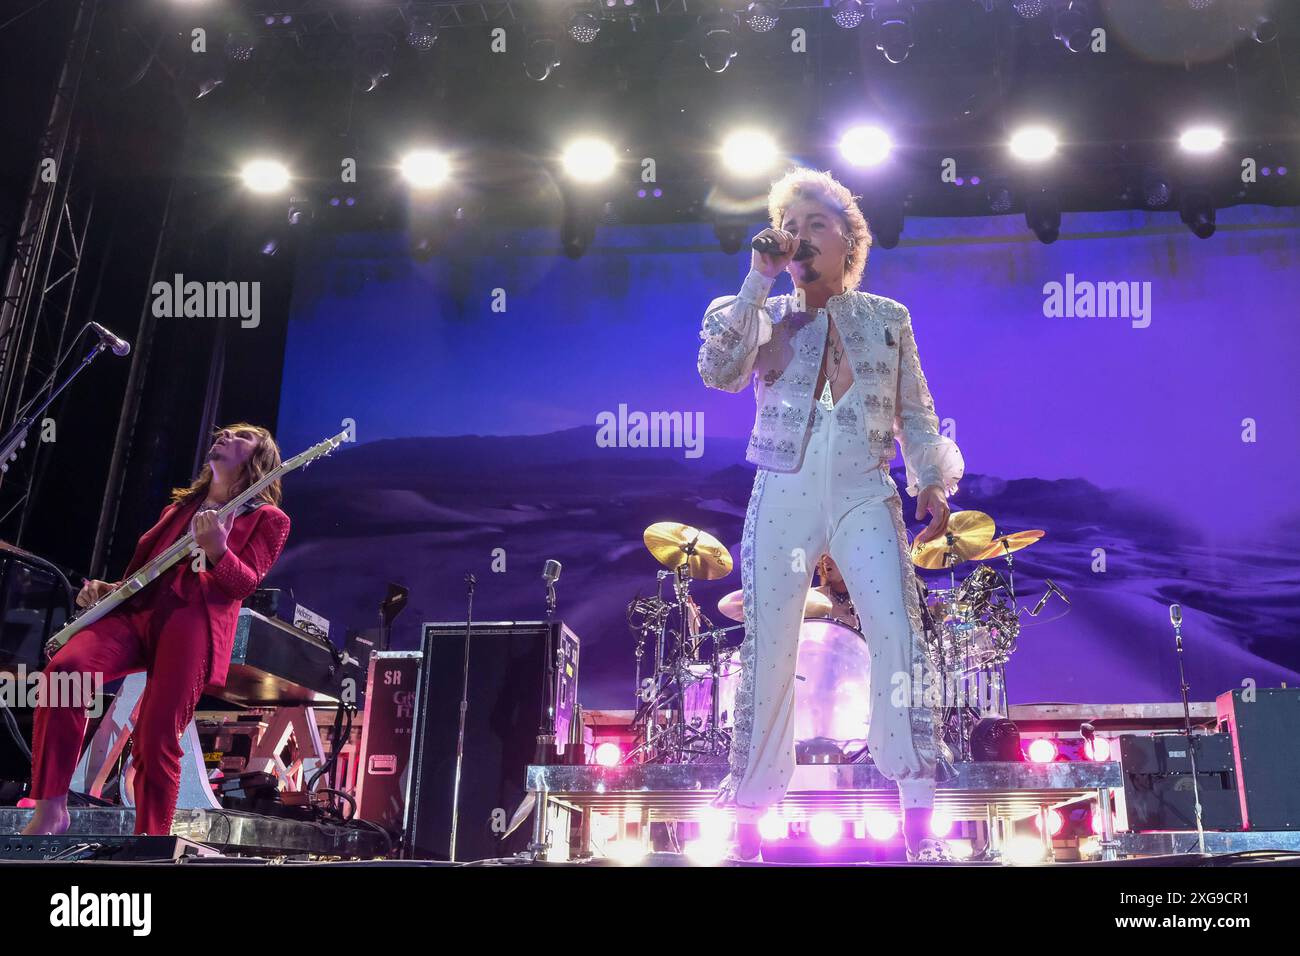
x=179 y=629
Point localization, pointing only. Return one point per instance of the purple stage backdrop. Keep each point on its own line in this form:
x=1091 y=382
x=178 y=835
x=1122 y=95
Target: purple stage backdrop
x=1157 y=444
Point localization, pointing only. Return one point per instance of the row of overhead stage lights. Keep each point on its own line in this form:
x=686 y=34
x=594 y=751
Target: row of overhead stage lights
x=752 y=153
x=744 y=153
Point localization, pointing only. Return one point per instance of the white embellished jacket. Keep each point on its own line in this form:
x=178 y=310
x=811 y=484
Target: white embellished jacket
x=751 y=334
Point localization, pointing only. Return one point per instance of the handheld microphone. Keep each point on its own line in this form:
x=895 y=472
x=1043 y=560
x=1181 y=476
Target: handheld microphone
x=1175 y=615
x=770 y=247
x=119 y=346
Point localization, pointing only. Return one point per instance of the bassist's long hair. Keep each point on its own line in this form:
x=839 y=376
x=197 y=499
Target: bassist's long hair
x=264 y=459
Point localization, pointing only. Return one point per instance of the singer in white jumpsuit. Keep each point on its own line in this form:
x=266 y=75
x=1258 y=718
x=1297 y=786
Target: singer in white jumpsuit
x=823 y=486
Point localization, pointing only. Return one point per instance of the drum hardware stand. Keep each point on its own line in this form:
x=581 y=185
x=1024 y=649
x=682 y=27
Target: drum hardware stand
x=1176 y=618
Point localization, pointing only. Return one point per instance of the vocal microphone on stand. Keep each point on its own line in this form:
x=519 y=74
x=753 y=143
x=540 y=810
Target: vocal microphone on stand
x=770 y=247
x=116 y=344
x=551 y=574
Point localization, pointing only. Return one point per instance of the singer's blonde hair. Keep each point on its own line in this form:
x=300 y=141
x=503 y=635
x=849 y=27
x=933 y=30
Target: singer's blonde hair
x=803 y=183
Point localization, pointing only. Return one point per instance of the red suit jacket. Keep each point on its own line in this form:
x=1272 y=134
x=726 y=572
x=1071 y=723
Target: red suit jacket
x=255 y=541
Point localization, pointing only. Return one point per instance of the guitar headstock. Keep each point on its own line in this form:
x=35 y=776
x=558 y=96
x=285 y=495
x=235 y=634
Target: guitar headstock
x=319 y=450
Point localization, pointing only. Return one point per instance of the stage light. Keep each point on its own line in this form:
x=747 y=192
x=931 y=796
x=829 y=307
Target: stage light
x=731 y=236
x=848 y=13
x=706 y=852
x=826 y=829
x=270 y=246
x=589 y=160
x=749 y=152
x=627 y=852
x=886 y=221
x=1201 y=139
x=1043 y=217
x=1097 y=749
x=715 y=825
x=373 y=65
x=1197 y=212
x=300 y=211
x=240 y=47
x=1042 y=750
x=1029 y=9
x=1094 y=820
x=1072 y=27
x=773 y=827
x=940 y=824
x=893 y=30
x=421 y=34
x=1033 y=143
x=995 y=739
x=425 y=169
x=1262 y=28
x=577 y=232
x=866 y=145
x=761 y=16
x=608 y=754
x=265 y=176
x=1200 y=4
x=1023 y=851
x=1000 y=198
x=1055 y=822
x=881 y=825
x=718 y=46
x=583 y=27
x=1156 y=190
x=541 y=58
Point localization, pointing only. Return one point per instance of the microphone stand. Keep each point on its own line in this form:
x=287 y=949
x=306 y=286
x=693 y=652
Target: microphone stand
x=1176 y=618
x=16 y=437
x=470 y=581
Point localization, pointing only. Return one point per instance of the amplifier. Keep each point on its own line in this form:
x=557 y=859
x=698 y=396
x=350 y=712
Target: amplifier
x=1264 y=724
x=522 y=692
x=1158 y=782
x=384 y=777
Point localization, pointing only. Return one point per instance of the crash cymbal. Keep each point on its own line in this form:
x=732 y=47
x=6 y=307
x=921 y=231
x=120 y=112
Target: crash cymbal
x=816 y=604
x=1013 y=542
x=674 y=544
x=968 y=533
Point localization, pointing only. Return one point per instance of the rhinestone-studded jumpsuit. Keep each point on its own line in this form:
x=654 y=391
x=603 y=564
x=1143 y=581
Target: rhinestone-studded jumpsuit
x=841 y=500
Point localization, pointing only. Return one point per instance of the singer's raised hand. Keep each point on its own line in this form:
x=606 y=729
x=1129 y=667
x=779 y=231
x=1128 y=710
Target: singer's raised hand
x=773 y=265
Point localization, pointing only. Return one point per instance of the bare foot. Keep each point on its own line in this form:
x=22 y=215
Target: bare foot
x=48 y=819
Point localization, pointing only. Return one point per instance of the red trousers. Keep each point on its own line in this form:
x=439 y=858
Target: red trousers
x=167 y=637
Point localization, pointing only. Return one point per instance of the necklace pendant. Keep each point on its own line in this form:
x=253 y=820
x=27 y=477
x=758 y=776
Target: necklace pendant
x=826 y=400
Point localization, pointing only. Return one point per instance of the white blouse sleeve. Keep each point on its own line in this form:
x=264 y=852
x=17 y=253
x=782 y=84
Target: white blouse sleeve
x=734 y=328
x=928 y=457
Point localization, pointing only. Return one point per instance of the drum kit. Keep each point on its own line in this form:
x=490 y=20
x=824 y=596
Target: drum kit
x=688 y=669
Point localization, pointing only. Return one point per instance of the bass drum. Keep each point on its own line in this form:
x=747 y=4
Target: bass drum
x=832 y=692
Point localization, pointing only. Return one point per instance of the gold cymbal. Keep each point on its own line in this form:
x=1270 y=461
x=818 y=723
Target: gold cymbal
x=674 y=544
x=1013 y=542
x=816 y=604
x=968 y=533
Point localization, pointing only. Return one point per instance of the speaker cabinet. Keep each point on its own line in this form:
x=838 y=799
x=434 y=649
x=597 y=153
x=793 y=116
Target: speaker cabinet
x=523 y=678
